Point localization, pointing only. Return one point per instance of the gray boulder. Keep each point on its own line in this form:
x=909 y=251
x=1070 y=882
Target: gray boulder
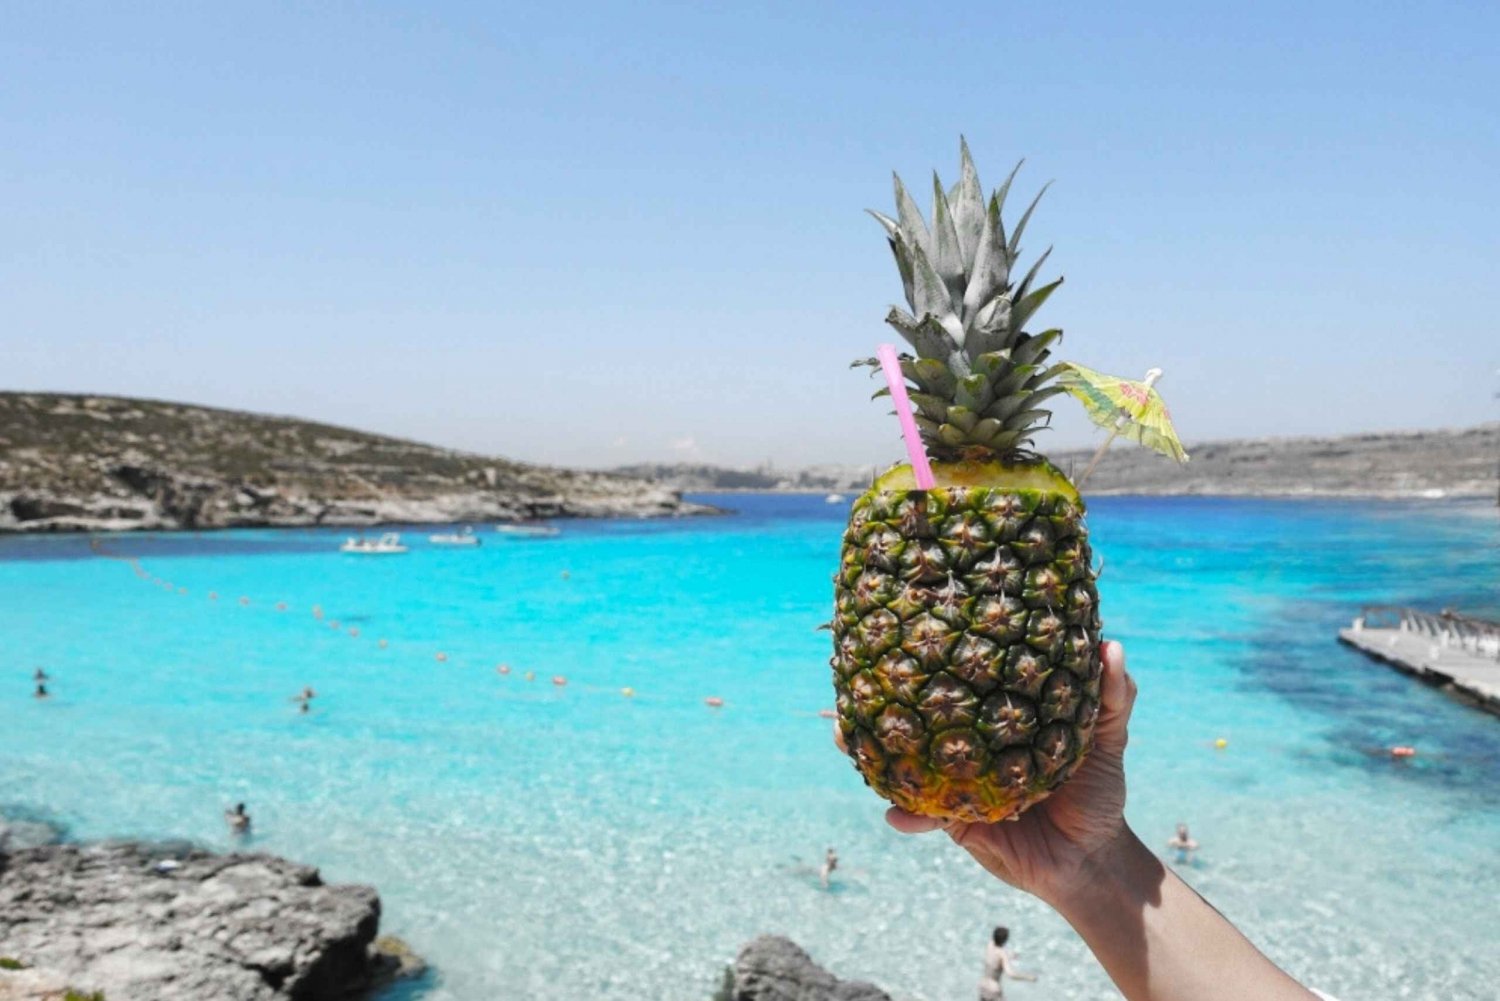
x=173 y=923
x=773 y=968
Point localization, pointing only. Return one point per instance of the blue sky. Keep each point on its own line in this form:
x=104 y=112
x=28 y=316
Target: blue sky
x=591 y=234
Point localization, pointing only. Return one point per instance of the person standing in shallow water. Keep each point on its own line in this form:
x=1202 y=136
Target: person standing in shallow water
x=830 y=863
x=1183 y=844
x=238 y=820
x=304 y=699
x=997 y=965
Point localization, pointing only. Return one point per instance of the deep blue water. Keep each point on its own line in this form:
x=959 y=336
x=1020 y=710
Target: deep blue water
x=535 y=840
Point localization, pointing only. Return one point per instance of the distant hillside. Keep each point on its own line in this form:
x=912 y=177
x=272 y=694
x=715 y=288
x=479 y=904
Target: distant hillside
x=1449 y=463
x=103 y=463
x=1461 y=463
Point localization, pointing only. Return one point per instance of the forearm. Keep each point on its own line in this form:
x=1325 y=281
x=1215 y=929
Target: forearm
x=1160 y=941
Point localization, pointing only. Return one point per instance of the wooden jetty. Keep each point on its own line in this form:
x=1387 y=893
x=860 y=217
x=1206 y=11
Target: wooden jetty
x=1458 y=654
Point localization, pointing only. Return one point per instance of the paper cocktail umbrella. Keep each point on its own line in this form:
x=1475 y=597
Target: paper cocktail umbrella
x=1125 y=407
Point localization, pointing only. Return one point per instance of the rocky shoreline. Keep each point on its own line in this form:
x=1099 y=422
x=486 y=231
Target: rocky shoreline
x=167 y=921
x=73 y=463
x=171 y=922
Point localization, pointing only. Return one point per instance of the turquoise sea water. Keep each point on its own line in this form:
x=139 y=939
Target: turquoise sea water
x=537 y=841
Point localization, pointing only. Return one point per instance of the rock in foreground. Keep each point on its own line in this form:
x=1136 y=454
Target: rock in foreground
x=163 y=923
x=773 y=968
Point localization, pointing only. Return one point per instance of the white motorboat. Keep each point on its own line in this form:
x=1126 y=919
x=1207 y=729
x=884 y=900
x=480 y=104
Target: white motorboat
x=524 y=531
x=387 y=544
x=834 y=498
x=464 y=538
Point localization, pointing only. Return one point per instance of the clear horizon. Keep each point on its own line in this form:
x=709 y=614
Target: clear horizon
x=601 y=235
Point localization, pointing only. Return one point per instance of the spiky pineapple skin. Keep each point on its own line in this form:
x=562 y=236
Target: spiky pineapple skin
x=966 y=641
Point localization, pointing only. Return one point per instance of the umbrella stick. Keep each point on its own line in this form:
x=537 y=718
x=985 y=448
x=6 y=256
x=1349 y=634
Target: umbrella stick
x=1083 y=477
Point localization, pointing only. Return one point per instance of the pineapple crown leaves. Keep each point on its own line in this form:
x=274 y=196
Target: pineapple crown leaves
x=979 y=377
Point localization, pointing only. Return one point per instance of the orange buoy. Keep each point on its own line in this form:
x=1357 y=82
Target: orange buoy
x=213 y=596
x=244 y=600
x=317 y=611
x=827 y=714
x=383 y=644
x=502 y=669
x=354 y=630
x=182 y=590
x=441 y=657
x=1403 y=752
x=714 y=700
x=629 y=693
x=529 y=675
x=281 y=606
x=566 y=575
x=1221 y=743
x=333 y=623
x=559 y=680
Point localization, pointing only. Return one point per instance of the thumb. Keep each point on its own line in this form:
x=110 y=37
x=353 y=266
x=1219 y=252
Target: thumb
x=1116 y=699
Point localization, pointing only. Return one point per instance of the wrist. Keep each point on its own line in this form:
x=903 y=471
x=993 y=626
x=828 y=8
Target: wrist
x=1112 y=873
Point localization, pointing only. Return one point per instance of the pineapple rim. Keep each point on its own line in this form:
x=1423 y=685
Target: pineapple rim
x=1036 y=474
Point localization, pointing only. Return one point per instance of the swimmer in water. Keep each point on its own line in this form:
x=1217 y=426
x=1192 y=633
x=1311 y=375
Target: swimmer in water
x=40 y=676
x=997 y=965
x=830 y=863
x=1183 y=844
x=238 y=820
x=41 y=691
x=304 y=699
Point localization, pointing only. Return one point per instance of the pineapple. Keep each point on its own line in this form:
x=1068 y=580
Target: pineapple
x=966 y=626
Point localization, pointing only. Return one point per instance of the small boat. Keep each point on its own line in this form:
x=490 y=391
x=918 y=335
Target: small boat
x=388 y=543
x=526 y=531
x=834 y=499
x=464 y=538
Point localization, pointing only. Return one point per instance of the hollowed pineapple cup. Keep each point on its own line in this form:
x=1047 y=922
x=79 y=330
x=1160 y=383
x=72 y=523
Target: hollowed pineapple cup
x=966 y=638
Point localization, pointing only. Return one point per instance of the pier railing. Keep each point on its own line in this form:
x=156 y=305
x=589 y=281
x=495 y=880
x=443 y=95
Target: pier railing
x=1447 y=629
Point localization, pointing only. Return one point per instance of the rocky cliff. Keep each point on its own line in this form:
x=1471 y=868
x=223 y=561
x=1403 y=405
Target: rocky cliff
x=100 y=463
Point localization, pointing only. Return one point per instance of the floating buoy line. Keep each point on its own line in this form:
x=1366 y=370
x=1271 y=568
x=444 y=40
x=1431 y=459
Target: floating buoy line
x=440 y=656
x=559 y=681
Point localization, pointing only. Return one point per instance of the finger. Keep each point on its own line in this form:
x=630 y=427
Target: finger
x=1117 y=698
x=912 y=823
x=838 y=738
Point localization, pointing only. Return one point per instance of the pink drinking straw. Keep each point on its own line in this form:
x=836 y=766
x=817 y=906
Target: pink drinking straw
x=891 y=366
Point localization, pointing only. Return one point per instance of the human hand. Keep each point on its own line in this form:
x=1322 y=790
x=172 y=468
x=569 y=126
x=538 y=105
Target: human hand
x=1051 y=849
x=1155 y=937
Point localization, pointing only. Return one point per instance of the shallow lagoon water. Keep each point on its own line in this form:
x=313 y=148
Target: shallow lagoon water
x=537 y=841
